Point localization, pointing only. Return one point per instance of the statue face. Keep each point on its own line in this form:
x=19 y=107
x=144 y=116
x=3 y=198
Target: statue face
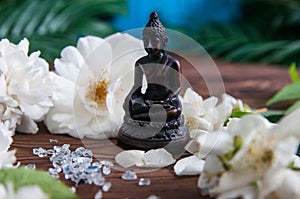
x=153 y=43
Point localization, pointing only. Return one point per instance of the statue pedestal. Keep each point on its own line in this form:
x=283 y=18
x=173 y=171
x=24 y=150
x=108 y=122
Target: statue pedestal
x=135 y=134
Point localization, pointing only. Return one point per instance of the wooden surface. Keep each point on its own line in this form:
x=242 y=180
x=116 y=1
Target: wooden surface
x=254 y=84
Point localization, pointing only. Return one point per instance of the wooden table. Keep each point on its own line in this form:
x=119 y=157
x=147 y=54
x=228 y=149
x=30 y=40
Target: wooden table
x=253 y=83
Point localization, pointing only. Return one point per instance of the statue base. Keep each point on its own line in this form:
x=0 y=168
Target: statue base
x=135 y=134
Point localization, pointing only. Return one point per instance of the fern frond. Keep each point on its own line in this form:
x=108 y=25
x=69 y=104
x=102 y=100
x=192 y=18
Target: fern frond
x=51 y=25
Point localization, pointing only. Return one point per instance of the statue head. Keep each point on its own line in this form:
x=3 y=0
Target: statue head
x=154 y=35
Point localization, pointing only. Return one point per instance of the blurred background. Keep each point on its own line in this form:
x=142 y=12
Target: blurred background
x=264 y=31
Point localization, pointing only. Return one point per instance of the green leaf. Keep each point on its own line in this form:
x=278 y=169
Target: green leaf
x=293 y=73
x=292 y=108
x=238 y=114
x=25 y=177
x=292 y=48
x=289 y=92
x=262 y=49
x=273 y=116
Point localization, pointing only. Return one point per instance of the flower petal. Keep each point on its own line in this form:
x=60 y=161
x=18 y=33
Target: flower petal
x=27 y=125
x=126 y=50
x=191 y=165
x=24 y=45
x=284 y=183
x=286 y=127
x=130 y=158
x=93 y=49
x=7 y=158
x=247 y=192
x=157 y=158
x=218 y=143
x=69 y=64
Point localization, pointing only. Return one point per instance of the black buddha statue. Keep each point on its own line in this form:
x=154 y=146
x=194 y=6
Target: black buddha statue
x=152 y=108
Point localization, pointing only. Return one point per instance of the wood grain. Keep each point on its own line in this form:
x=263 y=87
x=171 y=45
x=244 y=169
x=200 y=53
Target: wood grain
x=254 y=84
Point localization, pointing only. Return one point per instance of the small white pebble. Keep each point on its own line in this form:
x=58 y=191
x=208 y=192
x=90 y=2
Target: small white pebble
x=144 y=182
x=98 y=195
x=106 y=187
x=153 y=197
x=73 y=189
x=106 y=170
x=53 y=141
x=30 y=166
x=129 y=175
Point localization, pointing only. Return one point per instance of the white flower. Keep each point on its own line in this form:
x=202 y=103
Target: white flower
x=7 y=158
x=280 y=183
x=258 y=148
x=206 y=114
x=205 y=120
x=94 y=79
x=26 y=192
x=155 y=158
x=24 y=86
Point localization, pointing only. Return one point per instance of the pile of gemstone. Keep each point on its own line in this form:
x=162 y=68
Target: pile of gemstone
x=76 y=165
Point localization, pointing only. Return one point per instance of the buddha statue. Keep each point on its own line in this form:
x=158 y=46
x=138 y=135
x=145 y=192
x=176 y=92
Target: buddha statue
x=152 y=108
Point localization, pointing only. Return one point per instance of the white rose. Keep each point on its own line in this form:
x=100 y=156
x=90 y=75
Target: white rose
x=25 y=91
x=92 y=82
x=7 y=158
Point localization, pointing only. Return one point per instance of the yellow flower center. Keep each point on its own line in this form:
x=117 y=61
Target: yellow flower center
x=98 y=93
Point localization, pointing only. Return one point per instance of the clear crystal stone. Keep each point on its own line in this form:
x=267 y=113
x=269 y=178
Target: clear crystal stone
x=67 y=168
x=41 y=152
x=153 y=197
x=106 y=187
x=73 y=189
x=65 y=146
x=58 y=169
x=57 y=148
x=98 y=164
x=144 y=182
x=106 y=170
x=99 y=180
x=35 y=151
x=56 y=176
x=30 y=166
x=50 y=151
x=93 y=168
x=98 y=195
x=53 y=140
x=106 y=163
x=52 y=171
x=81 y=151
x=77 y=165
x=67 y=176
x=129 y=175
x=64 y=149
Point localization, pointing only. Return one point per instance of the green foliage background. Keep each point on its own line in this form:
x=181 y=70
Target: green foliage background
x=268 y=31
x=51 y=25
